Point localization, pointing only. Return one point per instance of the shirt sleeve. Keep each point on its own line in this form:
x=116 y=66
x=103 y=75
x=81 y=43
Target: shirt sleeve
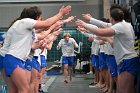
x=117 y=28
x=29 y=23
x=74 y=42
x=99 y=23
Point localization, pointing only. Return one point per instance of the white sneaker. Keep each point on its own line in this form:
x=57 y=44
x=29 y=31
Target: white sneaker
x=90 y=72
x=93 y=86
x=43 y=85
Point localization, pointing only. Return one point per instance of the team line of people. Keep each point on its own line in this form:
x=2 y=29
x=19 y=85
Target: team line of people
x=23 y=53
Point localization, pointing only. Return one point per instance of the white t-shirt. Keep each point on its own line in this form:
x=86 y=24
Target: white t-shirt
x=108 y=49
x=44 y=53
x=123 y=41
x=21 y=36
x=68 y=47
x=95 y=46
x=102 y=48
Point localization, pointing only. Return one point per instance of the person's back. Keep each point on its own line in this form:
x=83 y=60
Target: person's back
x=124 y=41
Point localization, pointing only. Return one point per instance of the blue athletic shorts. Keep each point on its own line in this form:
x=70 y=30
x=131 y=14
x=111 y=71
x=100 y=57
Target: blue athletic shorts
x=102 y=60
x=68 y=60
x=28 y=64
x=10 y=63
x=130 y=65
x=112 y=65
x=1 y=62
x=35 y=63
x=43 y=61
x=95 y=61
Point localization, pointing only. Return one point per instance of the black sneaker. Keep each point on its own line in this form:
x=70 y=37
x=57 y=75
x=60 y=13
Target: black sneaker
x=93 y=83
x=66 y=81
x=41 y=91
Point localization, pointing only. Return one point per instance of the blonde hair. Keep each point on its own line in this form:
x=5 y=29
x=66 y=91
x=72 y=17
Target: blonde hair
x=66 y=35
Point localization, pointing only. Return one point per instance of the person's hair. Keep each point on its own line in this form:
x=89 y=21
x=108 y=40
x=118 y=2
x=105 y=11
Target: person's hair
x=104 y=20
x=66 y=35
x=117 y=14
x=30 y=12
x=127 y=15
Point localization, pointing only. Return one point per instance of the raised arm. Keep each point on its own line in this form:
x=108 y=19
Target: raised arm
x=96 y=22
x=48 y=22
x=95 y=30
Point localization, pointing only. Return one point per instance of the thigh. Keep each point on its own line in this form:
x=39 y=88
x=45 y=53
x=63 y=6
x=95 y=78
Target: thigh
x=125 y=83
x=19 y=77
x=34 y=75
x=28 y=75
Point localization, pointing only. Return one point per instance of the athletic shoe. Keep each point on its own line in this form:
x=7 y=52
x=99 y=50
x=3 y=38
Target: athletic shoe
x=66 y=81
x=41 y=91
x=93 y=86
x=93 y=83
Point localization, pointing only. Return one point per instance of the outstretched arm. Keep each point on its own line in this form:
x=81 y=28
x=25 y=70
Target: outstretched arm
x=48 y=22
x=95 y=30
x=96 y=22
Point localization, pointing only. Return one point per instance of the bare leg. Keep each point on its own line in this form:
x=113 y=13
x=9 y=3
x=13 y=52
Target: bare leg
x=66 y=72
x=71 y=70
x=28 y=75
x=10 y=84
x=20 y=80
x=125 y=83
x=42 y=71
x=33 y=80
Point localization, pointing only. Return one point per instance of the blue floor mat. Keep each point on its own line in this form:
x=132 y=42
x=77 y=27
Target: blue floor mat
x=54 y=73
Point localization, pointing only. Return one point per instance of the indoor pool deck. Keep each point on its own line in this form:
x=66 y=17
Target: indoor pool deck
x=79 y=84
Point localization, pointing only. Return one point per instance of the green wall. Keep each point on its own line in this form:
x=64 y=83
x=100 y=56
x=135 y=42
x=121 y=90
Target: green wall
x=54 y=54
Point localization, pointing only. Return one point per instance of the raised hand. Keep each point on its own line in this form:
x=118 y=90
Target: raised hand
x=81 y=29
x=80 y=22
x=57 y=32
x=65 y=10
x=87 y=16
x=69 y=19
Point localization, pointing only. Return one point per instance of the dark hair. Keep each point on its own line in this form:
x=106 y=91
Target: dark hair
x=117 y=14
x=127 y=15
x=31 y=12
x=104 y=20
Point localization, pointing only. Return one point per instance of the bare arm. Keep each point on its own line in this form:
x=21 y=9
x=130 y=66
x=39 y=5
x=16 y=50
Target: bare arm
x=49 y=46
x=96 y=22
x=95 y=30
x=44 y=34
x=108 y=39
x=48 y=22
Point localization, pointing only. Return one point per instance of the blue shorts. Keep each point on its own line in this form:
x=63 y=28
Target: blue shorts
x=28 y=65
x=10 y=63
x=95 y=61
x=102 y=60
x=35 y=63
x=68 y=60
x=1 y=62
x=43 y=61
x=112 y=65
x=130 y=65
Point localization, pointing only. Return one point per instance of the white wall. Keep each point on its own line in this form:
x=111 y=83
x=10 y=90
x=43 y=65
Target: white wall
x=9 y=12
